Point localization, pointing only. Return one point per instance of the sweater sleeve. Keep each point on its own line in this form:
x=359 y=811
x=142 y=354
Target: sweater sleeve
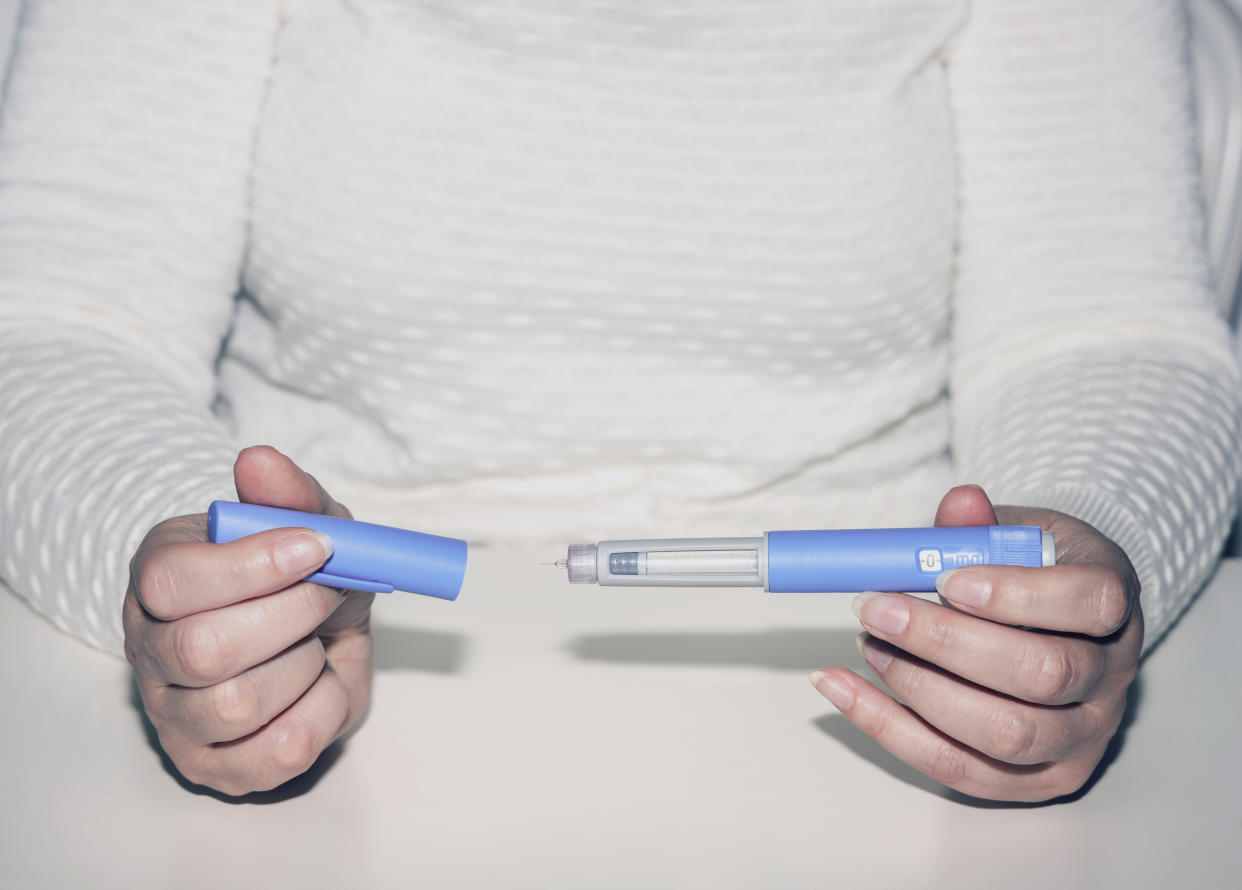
x=125 y=146
x=1091 y=373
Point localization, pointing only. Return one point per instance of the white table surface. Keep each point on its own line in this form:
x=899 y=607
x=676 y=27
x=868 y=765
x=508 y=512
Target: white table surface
x=534 y=734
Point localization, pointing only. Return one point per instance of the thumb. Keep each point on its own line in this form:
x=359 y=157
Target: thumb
x=966 y=505
x=265 y=476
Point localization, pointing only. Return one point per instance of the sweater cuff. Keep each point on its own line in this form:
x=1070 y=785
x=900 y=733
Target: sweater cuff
x=98 y=446
x=1146 y=449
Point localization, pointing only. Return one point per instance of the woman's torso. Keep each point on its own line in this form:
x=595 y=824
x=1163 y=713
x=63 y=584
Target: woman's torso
x=627 y=259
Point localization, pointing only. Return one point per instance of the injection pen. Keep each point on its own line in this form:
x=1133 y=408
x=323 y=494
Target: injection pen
x=841 y=560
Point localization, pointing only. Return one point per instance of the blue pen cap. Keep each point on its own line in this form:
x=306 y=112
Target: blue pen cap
x=365 y=556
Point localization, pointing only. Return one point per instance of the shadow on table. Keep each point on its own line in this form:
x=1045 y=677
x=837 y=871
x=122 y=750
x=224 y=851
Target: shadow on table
x=396 y=649
x=837 y=726
x=413 y=649
x=808 y=649
x=782 y=649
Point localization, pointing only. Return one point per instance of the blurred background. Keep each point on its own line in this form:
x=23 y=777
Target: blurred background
x=9 y=10
x=8 y=23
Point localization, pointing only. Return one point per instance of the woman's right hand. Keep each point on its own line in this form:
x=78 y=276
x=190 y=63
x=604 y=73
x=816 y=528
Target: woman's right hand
x=246 y=671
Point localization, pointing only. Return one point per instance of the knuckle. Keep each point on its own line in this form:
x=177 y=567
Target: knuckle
x=235 y=702
x=312 y=601
x=1068 y=778
x=1103 y=725
x=199 y=651
x=228 y=783
x=1126 y=673
x=1022 y=596
x=204 y=766
x=1092 y=670
x=938 y=635
x=294 y=750
x=319 y=654
x=232 y=786
x=194 y=767
x=908 y=681
x=199 y=776
x=1111 y=604
x=232 y=783
x=1012 y=737
x=1052 y=677
x=320 y=601
x=139 y=640
x=876 y=722
x=341 y=704
x=155 y=702
x=155 y=586
x=946 y=764
x=1104 y=719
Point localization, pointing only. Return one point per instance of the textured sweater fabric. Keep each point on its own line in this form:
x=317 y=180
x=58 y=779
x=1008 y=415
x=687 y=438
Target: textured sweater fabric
x=539 y=268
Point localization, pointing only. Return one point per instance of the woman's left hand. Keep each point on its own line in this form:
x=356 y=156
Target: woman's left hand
x=1014 y=686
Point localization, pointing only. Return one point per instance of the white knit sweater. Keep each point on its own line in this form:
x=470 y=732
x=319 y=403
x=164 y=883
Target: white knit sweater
x=541 y=267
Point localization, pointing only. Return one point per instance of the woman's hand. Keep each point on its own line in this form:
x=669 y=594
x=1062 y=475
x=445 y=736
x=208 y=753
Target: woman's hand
x=1012 y=688
x=246 y=671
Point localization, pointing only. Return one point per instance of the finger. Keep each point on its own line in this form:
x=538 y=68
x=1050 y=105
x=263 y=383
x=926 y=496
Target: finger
x=286 y=747
x=966 y=505
x=910 y=739
x=245 y=703
x=352 y=655
x=265 y=476
x=210 y=647
x=998 y=726
x=1040 y=668
x=1086 y=598
x=173 y=579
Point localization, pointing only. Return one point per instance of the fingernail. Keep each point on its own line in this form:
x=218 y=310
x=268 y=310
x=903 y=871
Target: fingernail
x=302 y=552
x=833 y=688
x=881 y=612
x=873 y=654
x=968 y=589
